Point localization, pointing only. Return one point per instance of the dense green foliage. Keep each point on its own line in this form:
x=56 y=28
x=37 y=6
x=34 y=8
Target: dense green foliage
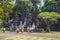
x=49 y=18
x=30 y=10
x=50 y=6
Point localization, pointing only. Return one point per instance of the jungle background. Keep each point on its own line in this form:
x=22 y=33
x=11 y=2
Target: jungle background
x=43 y=14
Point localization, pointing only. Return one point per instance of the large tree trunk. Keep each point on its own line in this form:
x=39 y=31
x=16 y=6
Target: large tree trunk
x=48 y=28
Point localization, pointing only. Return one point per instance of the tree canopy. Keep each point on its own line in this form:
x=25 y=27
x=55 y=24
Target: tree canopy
x=49 y=18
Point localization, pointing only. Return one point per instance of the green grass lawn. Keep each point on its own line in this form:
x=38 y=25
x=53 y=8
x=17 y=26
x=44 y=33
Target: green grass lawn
x=29 y=38
x=25 y=37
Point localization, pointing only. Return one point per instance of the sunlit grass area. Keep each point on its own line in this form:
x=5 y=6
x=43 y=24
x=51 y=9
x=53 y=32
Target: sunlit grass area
x=4 y=35
x=26 y=36
x=29 y=38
